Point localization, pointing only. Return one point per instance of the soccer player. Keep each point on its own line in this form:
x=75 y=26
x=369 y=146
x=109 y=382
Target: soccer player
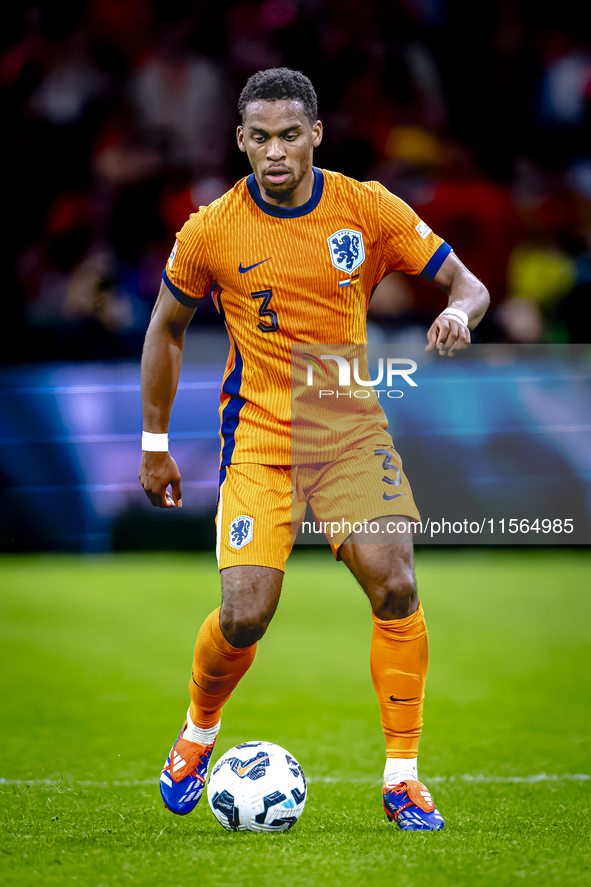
x=291 y=255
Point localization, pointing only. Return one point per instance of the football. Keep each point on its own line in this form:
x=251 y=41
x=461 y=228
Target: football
x=257 y=787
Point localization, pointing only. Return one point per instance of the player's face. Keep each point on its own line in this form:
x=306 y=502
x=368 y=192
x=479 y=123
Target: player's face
x=279 y=141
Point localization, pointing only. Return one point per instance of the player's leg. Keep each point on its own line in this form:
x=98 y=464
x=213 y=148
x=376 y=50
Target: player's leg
x=224 y=651
x=226 y=643
x=364 y=498
x=399 y=648
x=399 y=659
x=253 y=542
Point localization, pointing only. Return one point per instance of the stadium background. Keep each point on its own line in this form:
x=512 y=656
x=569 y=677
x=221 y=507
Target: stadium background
x=120 y=117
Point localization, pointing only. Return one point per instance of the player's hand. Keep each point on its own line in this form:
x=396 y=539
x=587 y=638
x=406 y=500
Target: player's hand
x=447 y=335
x=157 y=472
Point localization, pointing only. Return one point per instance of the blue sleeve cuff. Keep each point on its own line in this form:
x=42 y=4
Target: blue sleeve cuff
x=183 y=298
x=435 y=262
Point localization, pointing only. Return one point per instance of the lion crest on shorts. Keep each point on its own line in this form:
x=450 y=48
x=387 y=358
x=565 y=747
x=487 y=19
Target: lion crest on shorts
x=241 y=531
x=346 y=249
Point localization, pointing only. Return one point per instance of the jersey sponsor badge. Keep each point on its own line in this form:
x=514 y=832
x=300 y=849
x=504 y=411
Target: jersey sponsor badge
x=173 y=254
x=423 y=229
x=241 y=531
x=346 y=249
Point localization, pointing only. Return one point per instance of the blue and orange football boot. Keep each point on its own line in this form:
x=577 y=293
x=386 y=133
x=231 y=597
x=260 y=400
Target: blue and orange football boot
x=411 y=806
x=183 y=778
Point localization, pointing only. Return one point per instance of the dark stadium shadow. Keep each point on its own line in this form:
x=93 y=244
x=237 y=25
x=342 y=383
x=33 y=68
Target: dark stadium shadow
x=141 y=530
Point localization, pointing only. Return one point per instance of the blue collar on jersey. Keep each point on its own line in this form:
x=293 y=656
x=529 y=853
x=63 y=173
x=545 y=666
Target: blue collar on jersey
x=288 y=212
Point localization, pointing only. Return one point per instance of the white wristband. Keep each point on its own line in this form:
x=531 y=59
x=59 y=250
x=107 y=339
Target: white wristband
x=457 y=314
x=154 y=443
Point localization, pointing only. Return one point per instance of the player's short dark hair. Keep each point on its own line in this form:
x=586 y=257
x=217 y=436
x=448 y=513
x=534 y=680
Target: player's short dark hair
x=280 y=83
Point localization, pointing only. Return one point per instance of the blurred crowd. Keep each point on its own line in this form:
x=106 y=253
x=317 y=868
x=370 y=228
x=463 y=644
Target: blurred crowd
x=119 y=120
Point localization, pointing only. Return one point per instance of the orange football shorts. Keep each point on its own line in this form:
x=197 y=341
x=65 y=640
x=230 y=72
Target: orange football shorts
x=261 y=507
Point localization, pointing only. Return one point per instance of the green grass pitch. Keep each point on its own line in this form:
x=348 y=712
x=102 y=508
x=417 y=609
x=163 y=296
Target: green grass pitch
x=94 y=665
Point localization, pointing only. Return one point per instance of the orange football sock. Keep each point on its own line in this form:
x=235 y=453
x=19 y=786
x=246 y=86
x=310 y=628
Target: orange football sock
x=399 y=659
x=217 y=669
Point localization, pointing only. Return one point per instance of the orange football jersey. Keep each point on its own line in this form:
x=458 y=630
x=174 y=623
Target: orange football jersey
x=282 y=276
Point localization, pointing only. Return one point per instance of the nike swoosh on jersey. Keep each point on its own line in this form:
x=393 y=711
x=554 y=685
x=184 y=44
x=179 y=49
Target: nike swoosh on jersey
x=250 y=267
x=396 y=496
x=242 y=771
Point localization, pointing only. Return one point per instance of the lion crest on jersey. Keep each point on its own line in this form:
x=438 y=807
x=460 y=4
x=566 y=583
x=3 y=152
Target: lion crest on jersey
x=241 y=531
x=346 y=249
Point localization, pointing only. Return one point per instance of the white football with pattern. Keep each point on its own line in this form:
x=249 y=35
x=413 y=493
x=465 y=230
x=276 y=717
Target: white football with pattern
x=257 y=787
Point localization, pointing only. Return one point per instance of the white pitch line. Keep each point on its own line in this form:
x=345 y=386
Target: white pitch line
x=84 y=783
x=539 y=777
x=330 y=780
x=467 y=777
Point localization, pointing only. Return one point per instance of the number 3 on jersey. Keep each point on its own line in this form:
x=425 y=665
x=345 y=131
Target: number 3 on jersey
x=265 y=311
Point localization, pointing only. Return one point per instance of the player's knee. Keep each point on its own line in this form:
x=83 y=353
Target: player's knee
x=243 y=630
x=394 y=595
x=249 y=599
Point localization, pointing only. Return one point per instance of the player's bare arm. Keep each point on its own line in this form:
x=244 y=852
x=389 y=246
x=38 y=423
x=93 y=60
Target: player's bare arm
x=161 y=368
x=466 y=293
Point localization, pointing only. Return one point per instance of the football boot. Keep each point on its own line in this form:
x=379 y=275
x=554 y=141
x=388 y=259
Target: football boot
x=411 y=806
x=184 y=774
